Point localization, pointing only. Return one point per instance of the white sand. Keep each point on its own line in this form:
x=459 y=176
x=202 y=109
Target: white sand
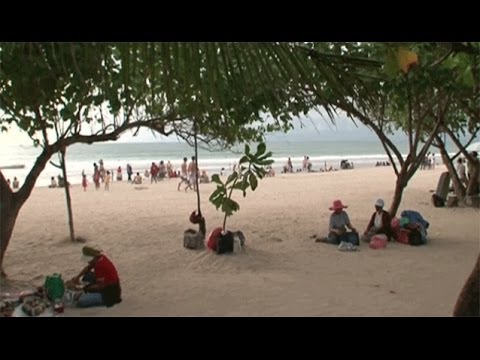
x=282 y=273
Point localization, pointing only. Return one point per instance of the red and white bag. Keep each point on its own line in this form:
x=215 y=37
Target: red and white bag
x=378 y=241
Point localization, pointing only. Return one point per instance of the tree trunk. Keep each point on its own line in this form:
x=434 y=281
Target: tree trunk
x=11 y=203
x=8 y=216
x=196 y=169
x=457 y=184
x=472 y=187
x=67 y=194
x=401 y=184
x=468 y=302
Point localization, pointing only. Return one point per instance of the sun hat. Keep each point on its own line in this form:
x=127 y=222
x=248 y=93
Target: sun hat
x=337 y=204
x=379 y=203
x=90 y=252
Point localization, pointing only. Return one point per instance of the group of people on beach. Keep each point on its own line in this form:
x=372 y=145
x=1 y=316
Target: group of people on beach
x=379 y=224
x=307 y=166
x=15 y=184
x=428 y=162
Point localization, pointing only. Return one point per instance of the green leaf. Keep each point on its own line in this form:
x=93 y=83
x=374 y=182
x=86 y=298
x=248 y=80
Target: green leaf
x=229 y=207
x=266 y=156
x=233 y=176
x=216 y=179
x=247 y=149
x=245 y=184
x=218 y=192
x=243 y=160
x=253 y=181
x=264 y=162
x=391 y=64
x=261 y=149
x=238 y=185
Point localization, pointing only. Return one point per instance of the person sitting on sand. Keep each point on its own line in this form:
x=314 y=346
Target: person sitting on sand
x=53 y=182
x=162 y=170
x=339 y=222
x=270 y=171
x=103 y=288
x=204 y=178
x=138 y=179
x=379 y=223
x=61 y=181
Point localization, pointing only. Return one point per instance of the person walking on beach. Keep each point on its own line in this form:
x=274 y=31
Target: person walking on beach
x=184 y=175
x=84 y=181
x=107 y=180
x=102 y=170
x=193 y=173
x=154 y=172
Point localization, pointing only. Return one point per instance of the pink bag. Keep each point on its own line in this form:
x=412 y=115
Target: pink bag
x=395 y=224
x=402 y=236
x=378 y=241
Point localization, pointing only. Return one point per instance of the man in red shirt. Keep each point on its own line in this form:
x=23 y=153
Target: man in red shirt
x=103 y=287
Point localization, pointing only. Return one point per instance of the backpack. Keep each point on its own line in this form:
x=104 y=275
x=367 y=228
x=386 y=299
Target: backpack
x=437 y=201
x=193 y=239
x=225 y=243
x=415 y=237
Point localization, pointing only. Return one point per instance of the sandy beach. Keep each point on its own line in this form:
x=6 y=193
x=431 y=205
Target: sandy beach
x=283 y=272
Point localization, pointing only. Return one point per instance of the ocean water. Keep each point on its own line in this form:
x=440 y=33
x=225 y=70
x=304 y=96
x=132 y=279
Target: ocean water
x=80 y=157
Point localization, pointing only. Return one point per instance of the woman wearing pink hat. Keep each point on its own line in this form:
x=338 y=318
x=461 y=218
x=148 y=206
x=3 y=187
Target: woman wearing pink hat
x=339 y=222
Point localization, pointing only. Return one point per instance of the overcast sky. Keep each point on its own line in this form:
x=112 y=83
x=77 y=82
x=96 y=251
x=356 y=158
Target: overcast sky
x=314 y=127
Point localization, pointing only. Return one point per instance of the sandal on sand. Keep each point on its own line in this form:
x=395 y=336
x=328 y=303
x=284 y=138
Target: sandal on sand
x=346 y=246
x=322 y=240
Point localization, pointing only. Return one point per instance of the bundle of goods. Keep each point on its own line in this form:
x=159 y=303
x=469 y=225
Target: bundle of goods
x=34 y=305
